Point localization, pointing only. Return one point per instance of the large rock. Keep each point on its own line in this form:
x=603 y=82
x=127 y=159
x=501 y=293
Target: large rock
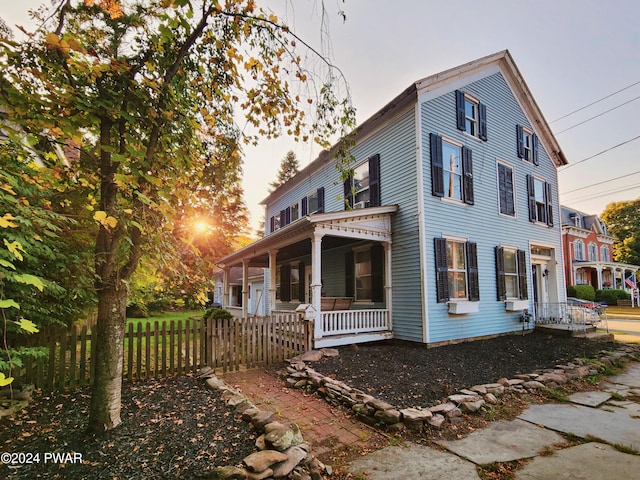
x=388 y=417
x=415 y=415
x=227 y=473
x=281 y=438
x=311 y=356
x=261 y=419
x=260 y=461
x=295 y=455
x=214 y=383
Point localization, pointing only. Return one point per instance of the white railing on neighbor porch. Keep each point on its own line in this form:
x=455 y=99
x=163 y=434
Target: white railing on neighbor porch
x=572 y=316
x=343 y=322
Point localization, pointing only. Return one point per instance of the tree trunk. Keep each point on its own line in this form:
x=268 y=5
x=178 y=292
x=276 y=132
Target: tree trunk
x=108 y=348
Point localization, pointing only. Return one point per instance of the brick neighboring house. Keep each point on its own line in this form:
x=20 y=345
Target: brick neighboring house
x=588 y=253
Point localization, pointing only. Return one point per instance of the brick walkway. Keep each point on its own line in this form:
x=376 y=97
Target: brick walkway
x=329 y=430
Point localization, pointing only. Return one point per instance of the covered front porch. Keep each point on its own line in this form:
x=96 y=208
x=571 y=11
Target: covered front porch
x=334 y=268
x=603 y=274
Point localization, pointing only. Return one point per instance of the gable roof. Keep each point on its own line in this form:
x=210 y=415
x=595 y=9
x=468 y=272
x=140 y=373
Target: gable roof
x=502 y=60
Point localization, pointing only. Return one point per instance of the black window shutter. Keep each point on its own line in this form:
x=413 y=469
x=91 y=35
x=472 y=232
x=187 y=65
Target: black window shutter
x=520 y=143
x=348 y=193
x=304 y=207
x=442 y=274
x=531 y=191
x=320 y=200
x=272 y=224
x=548 y=204
x=522 y=274
x=472 y=271
x=500 y=276
x=374 y=181
x=467 y=176
x=505 y=187
x=283 y=218
x=482 y=127
x=285 y=283
x=534 y=149
x=437 y=178
x=460 y=114
x=302 y=279
x=377 y=273
x=287 y=215
x=349 y=274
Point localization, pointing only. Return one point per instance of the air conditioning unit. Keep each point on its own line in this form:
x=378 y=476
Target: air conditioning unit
x=359 y=205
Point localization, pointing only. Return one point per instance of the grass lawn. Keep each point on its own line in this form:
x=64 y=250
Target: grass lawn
x=185 y=316
x=623 y=310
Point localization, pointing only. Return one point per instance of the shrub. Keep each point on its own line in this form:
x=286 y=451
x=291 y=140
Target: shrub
x=611 y=296
x=571 y=291
x=217 y=314
x=585 y=292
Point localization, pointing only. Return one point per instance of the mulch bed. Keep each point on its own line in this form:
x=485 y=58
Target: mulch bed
x=407 y=374
x=171 y=428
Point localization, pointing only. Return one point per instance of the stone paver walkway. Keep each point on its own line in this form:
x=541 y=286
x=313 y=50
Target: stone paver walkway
x=325 y=428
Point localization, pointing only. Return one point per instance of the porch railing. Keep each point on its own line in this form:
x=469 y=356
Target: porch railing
x=574 y=317
x=343 y=322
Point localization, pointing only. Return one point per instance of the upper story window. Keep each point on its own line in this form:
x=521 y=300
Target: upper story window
x=540 y=201
x=506 y=199
x=362 y=187
x=456 y=270
x=527 y=142
x=605 y=254
x=593 y=252
x=295 y=211
x=313 y=202
x=578 y=250
x=471 y=115
x=511 y=273
x=451 y=170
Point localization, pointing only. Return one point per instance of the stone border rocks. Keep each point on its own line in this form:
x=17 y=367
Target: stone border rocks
x=282 y=452
x=375 y=412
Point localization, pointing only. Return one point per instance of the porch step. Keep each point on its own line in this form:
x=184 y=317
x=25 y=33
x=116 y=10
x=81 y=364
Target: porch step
x=348 y=339
x=568 y=330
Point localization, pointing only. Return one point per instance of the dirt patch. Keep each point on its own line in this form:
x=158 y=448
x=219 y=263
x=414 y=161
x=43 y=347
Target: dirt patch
x=172 y=428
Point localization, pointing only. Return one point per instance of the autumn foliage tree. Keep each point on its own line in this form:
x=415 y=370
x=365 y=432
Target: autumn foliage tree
x=139 y=88
x=623 y=221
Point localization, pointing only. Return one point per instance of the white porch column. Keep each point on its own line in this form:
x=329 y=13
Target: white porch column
x=272 y=279
x=225 y=288
x=387 y=281
x=316 y=282
x=245 y=288
x=599 y=273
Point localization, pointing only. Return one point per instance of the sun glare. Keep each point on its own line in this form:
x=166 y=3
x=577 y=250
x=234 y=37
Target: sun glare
x=201 y=225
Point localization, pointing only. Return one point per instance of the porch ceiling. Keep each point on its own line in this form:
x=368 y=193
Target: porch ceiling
x=337 y=229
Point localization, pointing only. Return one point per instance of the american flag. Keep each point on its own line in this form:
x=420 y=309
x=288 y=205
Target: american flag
x=630 y=281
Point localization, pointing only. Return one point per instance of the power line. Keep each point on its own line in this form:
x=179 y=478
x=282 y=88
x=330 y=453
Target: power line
x=599 y=115
x=600 y=153
x=600 y=183
x=597 y=101
x=604 y=194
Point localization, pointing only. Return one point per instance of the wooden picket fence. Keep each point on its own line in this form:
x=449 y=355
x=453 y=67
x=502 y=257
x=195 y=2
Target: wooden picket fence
x=170 y=348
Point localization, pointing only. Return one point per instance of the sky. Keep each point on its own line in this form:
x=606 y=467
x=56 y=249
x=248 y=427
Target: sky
x=571 y=54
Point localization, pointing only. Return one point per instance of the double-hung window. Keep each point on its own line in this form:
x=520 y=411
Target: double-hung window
x=540 y=201
x=290 y=282
x=364 y=273
x=605 y=255
x=511 y=273
x=313 y=202
x=505 y=190
x=456 y=270
x=578 y=250
x=451 y=170
x=593 y=252
x=362 y=186
x=471 y=115
x=527 y=142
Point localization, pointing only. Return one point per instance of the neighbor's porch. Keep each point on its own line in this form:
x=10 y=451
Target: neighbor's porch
x=335 y=268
